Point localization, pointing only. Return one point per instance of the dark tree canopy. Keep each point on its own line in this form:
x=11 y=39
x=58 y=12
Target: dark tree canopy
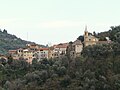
x=98 y=68
x=81 y=38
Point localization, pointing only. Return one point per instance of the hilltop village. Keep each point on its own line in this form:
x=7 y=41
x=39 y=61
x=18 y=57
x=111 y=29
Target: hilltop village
x=71 y=49
x=91 y=62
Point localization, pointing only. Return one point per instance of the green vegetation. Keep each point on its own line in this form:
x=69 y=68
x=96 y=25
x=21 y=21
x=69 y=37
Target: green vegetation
x=112 y=34
x=8 y=42
x=97 y=69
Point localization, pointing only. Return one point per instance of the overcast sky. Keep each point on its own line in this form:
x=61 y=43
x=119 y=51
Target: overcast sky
x=57 y=21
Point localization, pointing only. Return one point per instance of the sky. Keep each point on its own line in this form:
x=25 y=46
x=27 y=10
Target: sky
x=57 y=21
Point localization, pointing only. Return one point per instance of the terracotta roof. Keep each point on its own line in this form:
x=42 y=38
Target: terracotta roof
x=33 y=45
x=20 y=49
x=1 y=55
x=12 y=50
x=61 y=45
x=104 y=42
x=43 y=49
x=51 y=48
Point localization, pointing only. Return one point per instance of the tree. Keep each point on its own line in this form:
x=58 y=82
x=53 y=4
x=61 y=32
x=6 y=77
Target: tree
x=10 y=59
x=5 y=31
x=117 y=37
x=61 y=71
x=81 y=38
x=113 y=32
x=66 y=81
x=94 y=33
x=34 y=61
x=3 y=61
x=97 y=51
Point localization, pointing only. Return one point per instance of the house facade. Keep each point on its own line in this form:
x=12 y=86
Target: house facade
x=27 y=54
x=74 y=49
x=42 y=53
x=56 y=51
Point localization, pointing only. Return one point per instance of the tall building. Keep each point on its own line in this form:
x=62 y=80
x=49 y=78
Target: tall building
x=74 y=49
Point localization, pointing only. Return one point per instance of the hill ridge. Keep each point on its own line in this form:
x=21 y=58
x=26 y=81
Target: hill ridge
x=9 y=41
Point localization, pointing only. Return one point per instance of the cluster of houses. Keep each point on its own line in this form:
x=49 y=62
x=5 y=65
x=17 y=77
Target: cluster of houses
x=33 y=51
x=71 y=49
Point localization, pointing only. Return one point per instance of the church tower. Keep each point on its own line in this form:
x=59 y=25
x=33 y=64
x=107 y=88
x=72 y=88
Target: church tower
x=89 y=39
x=85 y=34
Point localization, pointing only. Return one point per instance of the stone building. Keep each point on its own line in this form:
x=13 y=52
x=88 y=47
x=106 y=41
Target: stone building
x=57 y=51
x=74 y=49
x=89 y=39
x=27 y=53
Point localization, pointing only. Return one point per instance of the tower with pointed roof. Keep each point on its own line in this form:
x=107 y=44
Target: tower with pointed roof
x=86 y=32
x=89 y=39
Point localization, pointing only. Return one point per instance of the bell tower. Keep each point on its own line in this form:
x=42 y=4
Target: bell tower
x=86 y=32
x=85 y=36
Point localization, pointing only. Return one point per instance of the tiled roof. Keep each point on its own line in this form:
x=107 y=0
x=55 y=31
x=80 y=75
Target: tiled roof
x=104 y=42
x=20 y=48
x=12 y=50
x=61 y=45
x=51 y=48
x=43 y=49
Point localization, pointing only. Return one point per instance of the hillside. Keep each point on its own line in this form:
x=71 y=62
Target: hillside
x=98 y=68
x=113 y=34
x=9 y=41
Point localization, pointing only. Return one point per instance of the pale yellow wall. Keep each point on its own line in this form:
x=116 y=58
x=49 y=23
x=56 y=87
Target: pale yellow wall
x=90 y=40
x=50 y=54
x=78 y=48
